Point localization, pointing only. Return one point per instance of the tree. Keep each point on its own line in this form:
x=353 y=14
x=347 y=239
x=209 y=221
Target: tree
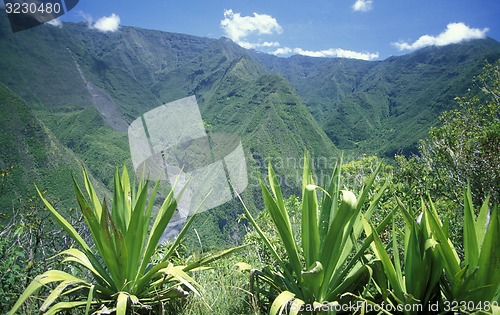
x=464 y=148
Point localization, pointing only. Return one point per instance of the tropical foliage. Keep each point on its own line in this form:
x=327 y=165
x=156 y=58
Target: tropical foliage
x=415 y=279
x=123 y=275
x=330 y=259
x=476 y=277
x=464 y=148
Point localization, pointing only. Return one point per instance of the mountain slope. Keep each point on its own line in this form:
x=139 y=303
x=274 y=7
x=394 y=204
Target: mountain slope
x=113 y=78
x=32 y=155
x=269 y=116
x=77 y=89
x=385 y=106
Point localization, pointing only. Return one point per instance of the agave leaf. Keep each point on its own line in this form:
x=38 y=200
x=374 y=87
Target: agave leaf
x=93 y=222
x=310 y=224
x=471 y=244
x=271 y=248
x=357 y=278
x=341 y=273
x=338 y=234
x=183 y=231
x=489 y=258
x=329 y=203
x=448 y=253
x=296 y=306
x=276 y=189
x=280 y=302
x=146 y=277
x=69 y=228
x=113 y=245
x=119 y=203
x=482 y=219
x=64 y=224
x=134 y=238
x=281 y=220
x=41 y=280
x=179 y=274
x=79 y=257
x=163 y=217
x=389 y=269
x=207 y=259
x=121 y=303
x=289 y=283
x=310 y=228
x=396 y=258
x=92 y=194
x=90 y=298
x=58 y=307
x=374 y=200
x=368 y=184
x=127 y=194
x=57 y=292
x=313 y=278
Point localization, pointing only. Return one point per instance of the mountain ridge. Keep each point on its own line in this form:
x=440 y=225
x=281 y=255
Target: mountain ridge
x=367 y=97
x=84 y=87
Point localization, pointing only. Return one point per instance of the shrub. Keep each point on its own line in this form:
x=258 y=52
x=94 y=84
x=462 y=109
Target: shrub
x=123 y=275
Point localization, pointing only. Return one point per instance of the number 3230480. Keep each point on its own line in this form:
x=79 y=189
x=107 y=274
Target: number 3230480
x=32 y=8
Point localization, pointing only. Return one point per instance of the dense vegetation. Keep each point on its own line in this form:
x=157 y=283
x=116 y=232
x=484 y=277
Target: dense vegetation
x=72 y=110
x=379 y=238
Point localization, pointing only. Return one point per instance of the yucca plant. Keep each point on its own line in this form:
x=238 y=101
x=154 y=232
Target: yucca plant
x=331 y=259
x=415 y=281
x=475 y=280
x=123 y=277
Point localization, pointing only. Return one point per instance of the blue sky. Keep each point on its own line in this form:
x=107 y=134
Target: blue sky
x=364 y=29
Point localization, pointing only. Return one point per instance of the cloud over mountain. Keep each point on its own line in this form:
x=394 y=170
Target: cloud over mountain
x=238 y=28
x=454 y=33
x=332 y=53
x=107 y=23
x=103 y=24
x=56 y=23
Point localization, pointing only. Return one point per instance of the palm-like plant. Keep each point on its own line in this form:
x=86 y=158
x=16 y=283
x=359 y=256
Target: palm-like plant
x=476 y=279
x=416 y=279
x=329 y=262
x=124 y=277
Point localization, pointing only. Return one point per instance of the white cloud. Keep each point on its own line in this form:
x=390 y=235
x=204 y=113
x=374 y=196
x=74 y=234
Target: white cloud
x=332 y=53
x=87 y=18
x=104 y=24
x=362 y=5
x=249 y=45
x=55 y=22
x=454 y=33
x=107 y=23
x=238 y=27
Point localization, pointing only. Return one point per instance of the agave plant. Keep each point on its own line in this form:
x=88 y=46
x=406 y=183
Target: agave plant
x=329 y=262
x=123 y=275
x=415 y=281
x=475 y=280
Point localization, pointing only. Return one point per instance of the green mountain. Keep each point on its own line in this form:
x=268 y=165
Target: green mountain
x=68 y=95
x=30 y=154
x=384 y=107
x=85 y=87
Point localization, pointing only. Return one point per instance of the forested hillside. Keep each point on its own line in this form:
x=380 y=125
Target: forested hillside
x=77 y=90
